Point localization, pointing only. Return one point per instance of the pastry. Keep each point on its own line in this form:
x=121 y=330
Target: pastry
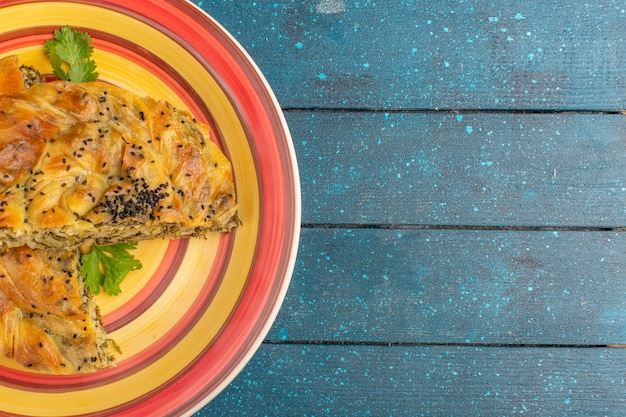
x=48 y=321
x=94 y=162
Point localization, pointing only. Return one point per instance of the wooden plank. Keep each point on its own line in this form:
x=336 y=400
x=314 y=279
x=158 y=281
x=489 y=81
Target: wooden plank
x=562 y=170
x=319 y=380
x=452 y=286
x=528 y=54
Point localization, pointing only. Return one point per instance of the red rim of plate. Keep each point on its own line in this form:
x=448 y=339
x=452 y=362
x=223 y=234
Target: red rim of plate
x=279 y=222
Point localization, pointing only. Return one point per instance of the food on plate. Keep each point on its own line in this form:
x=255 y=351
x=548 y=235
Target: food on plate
x=95 y=162
x=48 y=321
x=86 y=170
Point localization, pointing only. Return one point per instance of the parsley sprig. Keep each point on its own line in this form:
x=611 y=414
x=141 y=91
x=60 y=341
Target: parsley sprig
x=70 y=55
x=107 y=266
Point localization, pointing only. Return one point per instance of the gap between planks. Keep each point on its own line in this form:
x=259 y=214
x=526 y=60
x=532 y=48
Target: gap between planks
x=461 y=227
x=423 y=344
x=446 y=110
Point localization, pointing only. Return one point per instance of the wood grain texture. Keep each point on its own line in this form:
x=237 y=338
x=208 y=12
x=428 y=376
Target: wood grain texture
x=565 y=170
x=436 y=54
x=464 y=191
x=451 y=286
x=320 y=380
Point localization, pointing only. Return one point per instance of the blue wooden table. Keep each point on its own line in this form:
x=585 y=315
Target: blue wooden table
x=463 y=168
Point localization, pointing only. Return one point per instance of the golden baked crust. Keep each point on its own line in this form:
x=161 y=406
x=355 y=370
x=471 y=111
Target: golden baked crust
x=91 y=161
x=11 y=78
x=48 y=321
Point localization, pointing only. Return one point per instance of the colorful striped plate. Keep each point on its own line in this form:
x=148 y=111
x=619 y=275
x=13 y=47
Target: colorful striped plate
x=189 y=321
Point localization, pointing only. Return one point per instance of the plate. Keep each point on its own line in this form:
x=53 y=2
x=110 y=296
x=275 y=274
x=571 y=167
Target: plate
x=187 y=322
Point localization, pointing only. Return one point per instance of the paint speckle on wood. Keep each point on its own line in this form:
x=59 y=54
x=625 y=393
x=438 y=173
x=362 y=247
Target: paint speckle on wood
x=330 y=7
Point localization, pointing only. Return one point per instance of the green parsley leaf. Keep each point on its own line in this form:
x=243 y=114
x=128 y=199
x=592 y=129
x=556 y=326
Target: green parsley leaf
x=70 y=52
x=107 y=266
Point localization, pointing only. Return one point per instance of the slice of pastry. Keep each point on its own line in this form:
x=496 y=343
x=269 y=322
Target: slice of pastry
x=94 y=162
x=48 y=321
